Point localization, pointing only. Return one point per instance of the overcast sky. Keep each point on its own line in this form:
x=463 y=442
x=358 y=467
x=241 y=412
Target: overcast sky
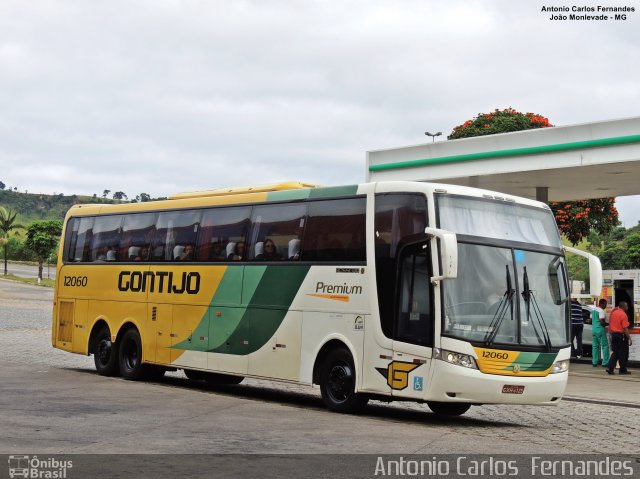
x=161 y=96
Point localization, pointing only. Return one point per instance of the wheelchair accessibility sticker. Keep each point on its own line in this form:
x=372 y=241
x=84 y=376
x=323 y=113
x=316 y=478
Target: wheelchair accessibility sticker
x=418 y=381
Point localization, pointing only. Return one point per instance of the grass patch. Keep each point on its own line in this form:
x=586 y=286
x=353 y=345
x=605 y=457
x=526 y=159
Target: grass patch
x=47 y=283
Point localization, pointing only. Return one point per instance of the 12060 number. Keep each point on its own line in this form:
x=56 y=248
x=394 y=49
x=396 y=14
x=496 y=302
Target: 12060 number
x=77 y=281
x=494 y=355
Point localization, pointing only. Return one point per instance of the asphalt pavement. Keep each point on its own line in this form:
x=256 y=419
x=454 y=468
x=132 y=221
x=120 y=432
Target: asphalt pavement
x=30 y=270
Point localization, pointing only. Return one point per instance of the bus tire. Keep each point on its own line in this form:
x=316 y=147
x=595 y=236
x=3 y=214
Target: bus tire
x=105 y=354
x=194 y=375
x=130 y=356
x=338 y=383
x=448 y=408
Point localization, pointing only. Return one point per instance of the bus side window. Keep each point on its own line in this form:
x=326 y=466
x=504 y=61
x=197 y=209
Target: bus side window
x=335 y=231
x=174 y=231
x=137 y=234
x=81 y=229
x=106 y=238
x=278 y=224
x=220 y=227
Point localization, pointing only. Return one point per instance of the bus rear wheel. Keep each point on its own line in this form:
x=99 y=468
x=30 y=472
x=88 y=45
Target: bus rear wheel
x=448 y=408
x=130 y=356
x=338 y=383
x=105 y=354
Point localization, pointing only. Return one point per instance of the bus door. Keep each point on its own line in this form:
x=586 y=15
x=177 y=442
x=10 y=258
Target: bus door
x=413 y=329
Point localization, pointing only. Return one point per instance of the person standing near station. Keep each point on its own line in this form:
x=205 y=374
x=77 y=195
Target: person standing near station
x=620 y=338
x=577 y=325
x=599 y=335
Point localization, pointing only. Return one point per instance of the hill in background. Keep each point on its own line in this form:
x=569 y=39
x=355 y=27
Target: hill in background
x=35 y=207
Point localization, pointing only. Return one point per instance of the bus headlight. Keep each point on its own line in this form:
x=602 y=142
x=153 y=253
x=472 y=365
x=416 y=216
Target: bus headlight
x=458 y=359
x=560 y=367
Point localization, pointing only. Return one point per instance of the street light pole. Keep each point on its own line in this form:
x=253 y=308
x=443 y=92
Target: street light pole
x=433 y=135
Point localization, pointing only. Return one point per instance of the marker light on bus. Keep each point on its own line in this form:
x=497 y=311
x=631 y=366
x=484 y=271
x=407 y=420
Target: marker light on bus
x=458 y=359
x=560 y=367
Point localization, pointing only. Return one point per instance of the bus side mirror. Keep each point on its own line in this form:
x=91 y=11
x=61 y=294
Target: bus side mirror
x=595 y=276
x=595 y=270
x=448 y=253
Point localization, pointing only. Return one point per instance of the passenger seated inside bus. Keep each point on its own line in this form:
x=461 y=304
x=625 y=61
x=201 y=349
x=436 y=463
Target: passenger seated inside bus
x=143 y=255
x=236 y=252
x=187 y=253
x=216 y=252
x=270 y=251
x=106 y=253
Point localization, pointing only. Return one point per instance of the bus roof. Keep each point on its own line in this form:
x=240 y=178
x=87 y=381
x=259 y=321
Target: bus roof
x=289 y=185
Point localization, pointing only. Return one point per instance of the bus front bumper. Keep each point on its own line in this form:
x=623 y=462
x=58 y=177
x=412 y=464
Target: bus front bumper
x=451 y=383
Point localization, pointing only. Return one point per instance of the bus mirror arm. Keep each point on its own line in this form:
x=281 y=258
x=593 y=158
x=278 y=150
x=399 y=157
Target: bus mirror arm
x=595 y=270
x=448 y=253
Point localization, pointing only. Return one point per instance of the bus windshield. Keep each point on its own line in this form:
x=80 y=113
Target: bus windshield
x=512 y=287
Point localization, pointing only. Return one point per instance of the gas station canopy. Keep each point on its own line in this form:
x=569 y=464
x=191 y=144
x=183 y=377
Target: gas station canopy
x=591 y=160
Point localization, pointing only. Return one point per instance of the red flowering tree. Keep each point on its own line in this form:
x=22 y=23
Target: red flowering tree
x=499 y=121
x=574 y=218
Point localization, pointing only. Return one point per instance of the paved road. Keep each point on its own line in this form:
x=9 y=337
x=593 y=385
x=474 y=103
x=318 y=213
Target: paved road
x=52 y=402
x=28 y=271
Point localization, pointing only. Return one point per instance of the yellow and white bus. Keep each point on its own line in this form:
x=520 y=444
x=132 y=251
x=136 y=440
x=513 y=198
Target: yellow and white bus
x=441 y=294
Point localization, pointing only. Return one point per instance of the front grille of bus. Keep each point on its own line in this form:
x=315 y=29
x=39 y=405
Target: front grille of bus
x=65 y=321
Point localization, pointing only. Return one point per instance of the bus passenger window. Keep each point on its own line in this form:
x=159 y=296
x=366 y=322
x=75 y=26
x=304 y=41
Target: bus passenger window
x=137 y=235
x=335 y=231
x=106 y=238
x=81 y=234
x=221 y=229
x=173 y=229
x=276 y=225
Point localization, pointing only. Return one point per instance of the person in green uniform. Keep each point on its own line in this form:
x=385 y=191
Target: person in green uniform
x=599 y=335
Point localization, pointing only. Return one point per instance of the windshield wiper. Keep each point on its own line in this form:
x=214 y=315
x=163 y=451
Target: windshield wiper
x=505 y=302
x=529 y=300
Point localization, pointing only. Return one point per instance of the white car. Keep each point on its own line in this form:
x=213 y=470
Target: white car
x=587 y=337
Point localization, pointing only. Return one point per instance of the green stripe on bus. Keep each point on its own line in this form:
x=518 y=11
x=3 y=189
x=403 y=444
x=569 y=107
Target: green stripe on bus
x=266 y=310
x=334 y=191
x=543 y=362
x=312 y=193
x=287 y=195
x=533 y=361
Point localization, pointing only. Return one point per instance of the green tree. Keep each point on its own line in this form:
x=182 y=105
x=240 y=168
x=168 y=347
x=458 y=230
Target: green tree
x=42 y=238
x=575 y=218
x=105 y=193
x=119 y=195
x=632 y=247
x=7 y=224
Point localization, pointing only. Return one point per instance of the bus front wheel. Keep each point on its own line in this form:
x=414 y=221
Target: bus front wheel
x=105 y=354
x=338 y=383
x=448 y=408
x=130 y=357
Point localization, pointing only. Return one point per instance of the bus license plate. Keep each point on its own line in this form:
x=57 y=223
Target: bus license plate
x=512 y=389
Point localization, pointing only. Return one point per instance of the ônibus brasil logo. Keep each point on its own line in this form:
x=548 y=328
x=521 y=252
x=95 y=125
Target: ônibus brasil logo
x=34 y=467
